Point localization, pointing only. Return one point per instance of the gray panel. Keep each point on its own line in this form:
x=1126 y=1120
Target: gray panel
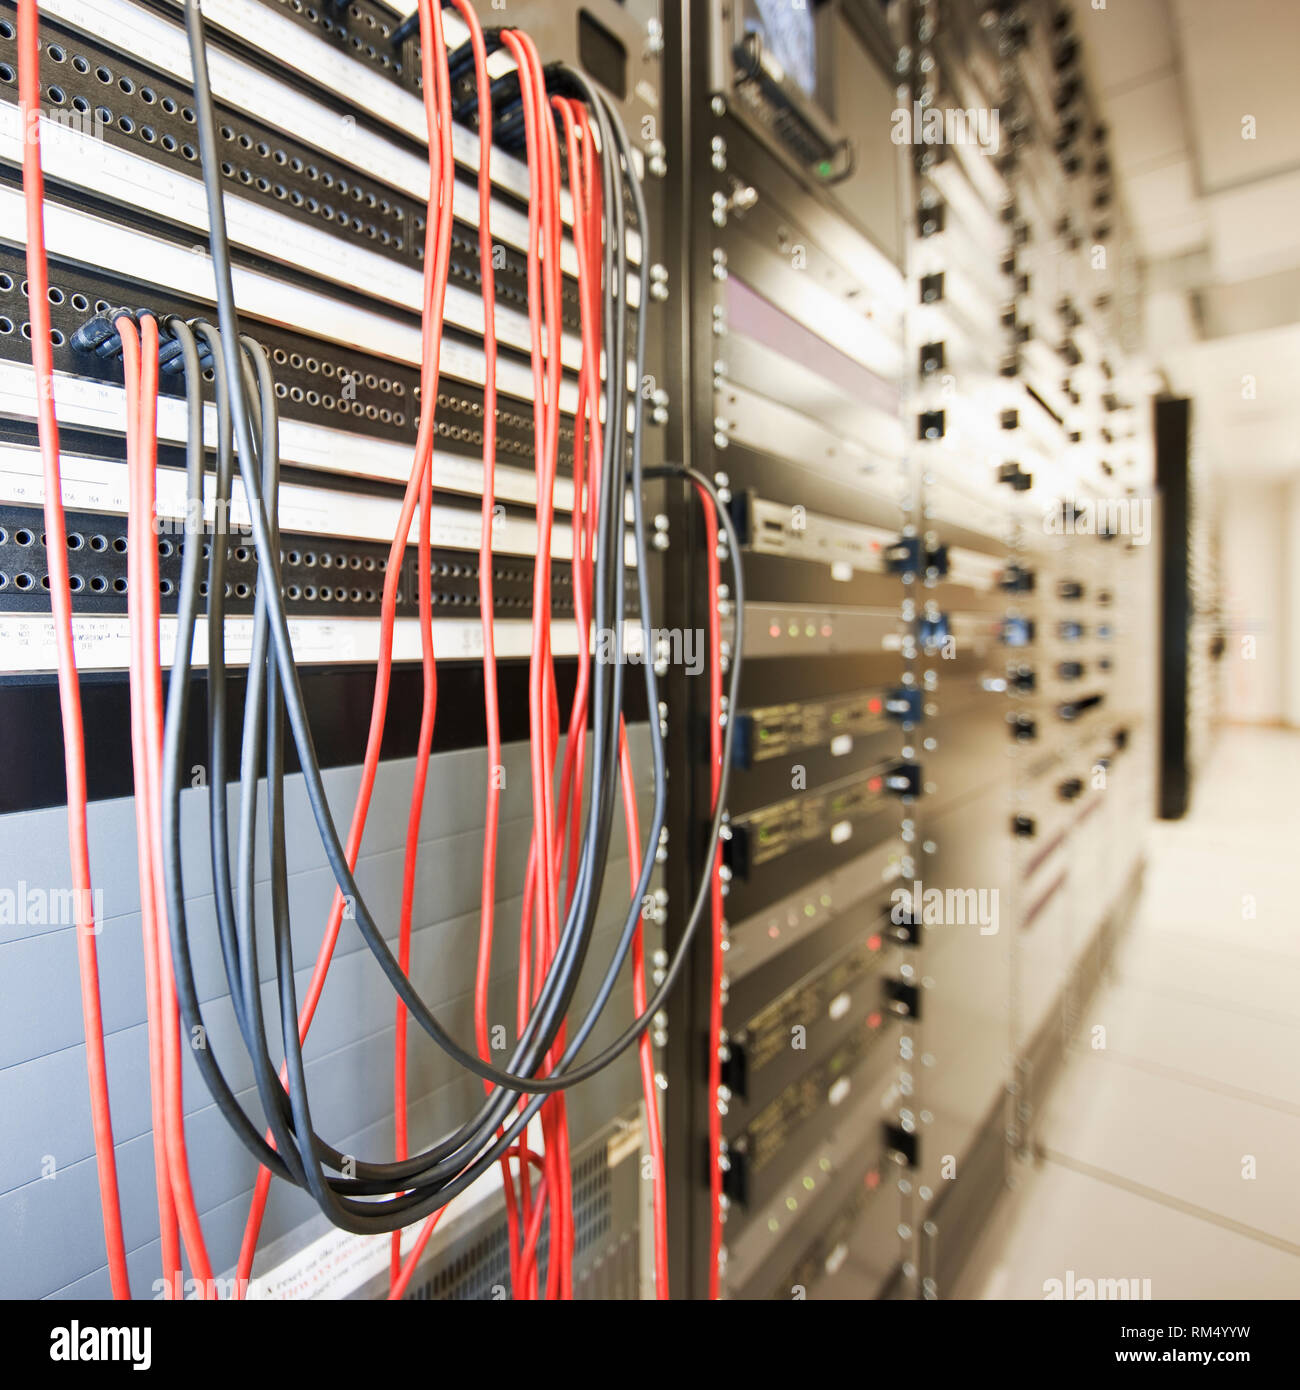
x=54 y=1222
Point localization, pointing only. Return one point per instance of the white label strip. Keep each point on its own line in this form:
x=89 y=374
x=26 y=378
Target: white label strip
x=100 y=485
x=103 y=643
x=94 y=484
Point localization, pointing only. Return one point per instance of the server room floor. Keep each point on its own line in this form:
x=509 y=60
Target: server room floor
x=1146 y=1143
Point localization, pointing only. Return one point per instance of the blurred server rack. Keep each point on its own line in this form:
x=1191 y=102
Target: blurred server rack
x=1036 y=480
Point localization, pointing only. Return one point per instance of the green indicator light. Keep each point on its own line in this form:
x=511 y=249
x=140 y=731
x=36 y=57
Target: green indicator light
x=809 y=1184
x=825 y=169
x=791 y=1204
x=810 y=910
x=773 y=1225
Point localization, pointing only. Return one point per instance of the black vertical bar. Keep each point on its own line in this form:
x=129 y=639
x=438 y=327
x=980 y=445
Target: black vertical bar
x=1173 y=481
x=687 y=327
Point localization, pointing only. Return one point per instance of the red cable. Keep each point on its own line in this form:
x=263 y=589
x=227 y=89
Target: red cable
x=403 y=1280
x=168 y=1229
x=446 y=183
x=487 y=603
x=572 y=773
x=74 y=751
x=147 y=735
x=545 y=339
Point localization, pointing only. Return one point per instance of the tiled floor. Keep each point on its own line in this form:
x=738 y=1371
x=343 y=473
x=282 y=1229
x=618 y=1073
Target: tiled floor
x=1148 y=1144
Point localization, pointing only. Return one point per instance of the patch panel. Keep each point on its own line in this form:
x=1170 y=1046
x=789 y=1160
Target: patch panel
x=125 y=133
x=377 y=129
x=172 y=263
x=771 y=731
x=780 y=629
x=768 y=528
x=319 y=575
x=810 y=1009
x=825 y=1256
x=339 y=406
x=769 y=1144
x=787 y=1212
x=854 y=450
x=857 y=886
x=761 y=836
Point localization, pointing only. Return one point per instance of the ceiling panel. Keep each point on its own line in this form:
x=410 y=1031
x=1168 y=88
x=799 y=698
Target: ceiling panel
x=1131 y=39
x=1254 y=230
x=1146 y=123
x=1241 y=58
x=1163 y=204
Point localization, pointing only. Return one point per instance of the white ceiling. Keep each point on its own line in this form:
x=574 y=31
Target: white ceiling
x=1181 y=84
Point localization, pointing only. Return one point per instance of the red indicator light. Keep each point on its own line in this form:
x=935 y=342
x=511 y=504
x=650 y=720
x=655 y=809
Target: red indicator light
x=826 y=629
x=874 y=784
x=873 y=1020
x=873 y=1180
x=774 y=630
x=873 y=943
x=874 y=705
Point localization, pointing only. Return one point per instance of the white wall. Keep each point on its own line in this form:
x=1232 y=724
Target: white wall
x=1291 y=604
x=1261 y=591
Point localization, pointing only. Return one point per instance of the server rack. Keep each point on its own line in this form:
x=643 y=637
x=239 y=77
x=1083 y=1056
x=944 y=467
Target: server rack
x=1012 y=632
x=905 y=369
x=795 y=330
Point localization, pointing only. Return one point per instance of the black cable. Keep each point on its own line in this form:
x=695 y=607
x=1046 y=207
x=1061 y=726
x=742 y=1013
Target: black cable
x=451 y=1156
x=178 y=699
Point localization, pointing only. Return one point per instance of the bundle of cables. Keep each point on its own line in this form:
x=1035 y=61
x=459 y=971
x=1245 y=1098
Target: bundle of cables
x=563 y=123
